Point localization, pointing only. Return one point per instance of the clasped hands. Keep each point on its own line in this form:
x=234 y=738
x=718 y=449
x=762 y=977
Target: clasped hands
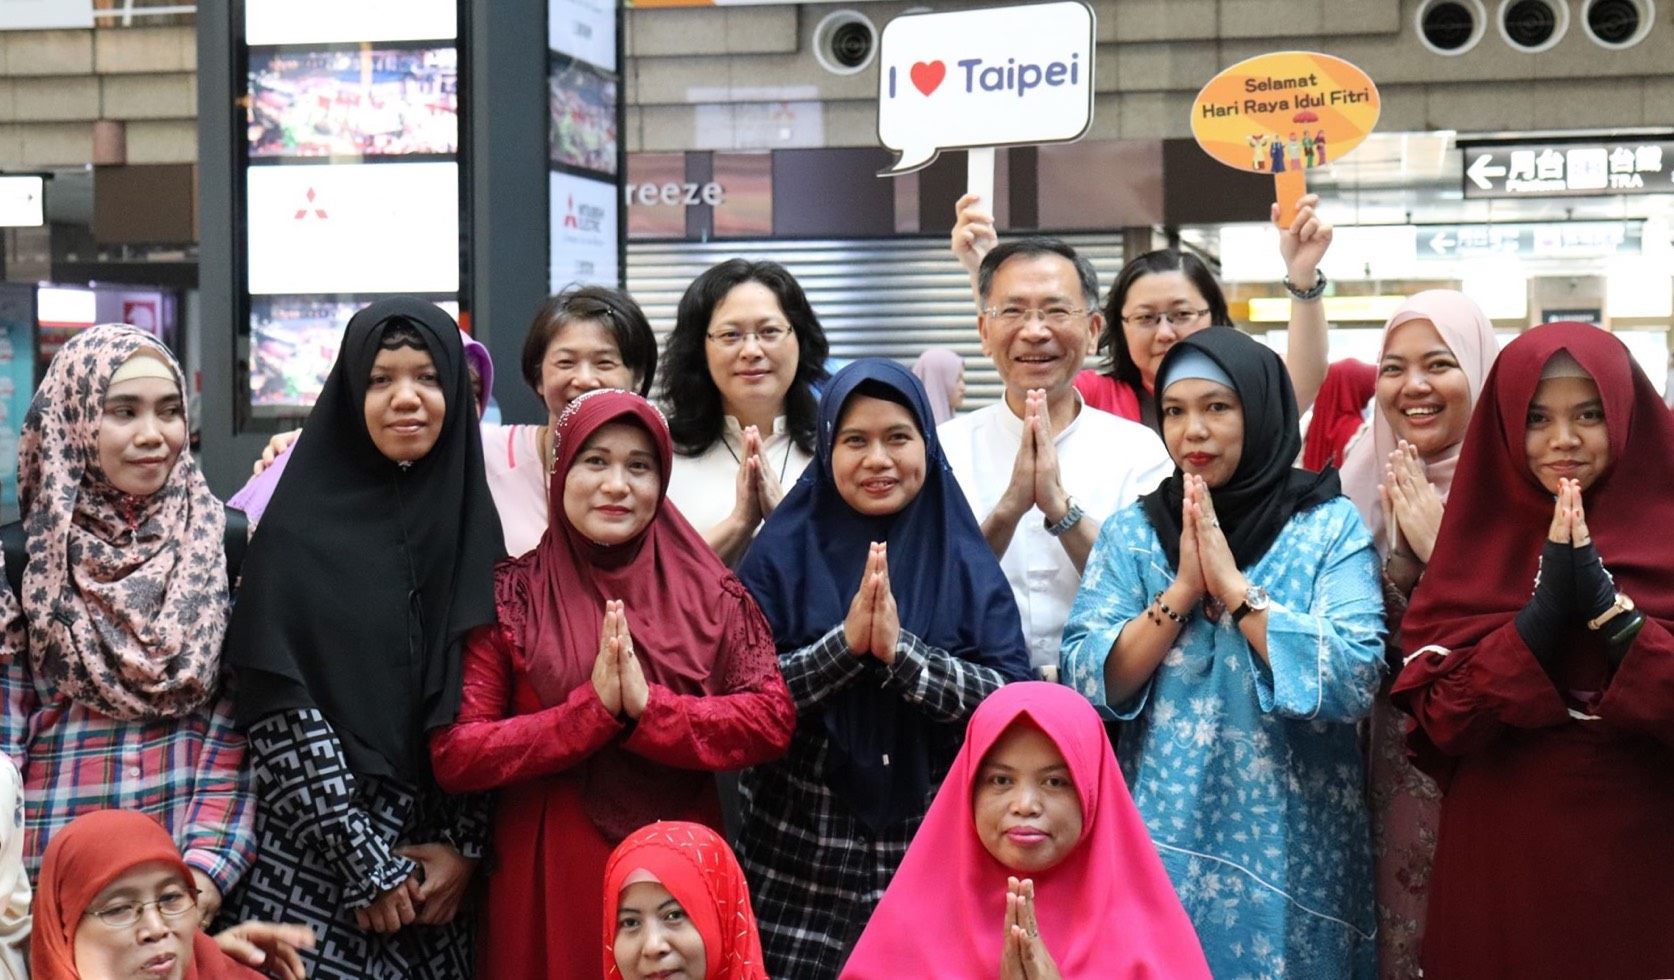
x=1024 y=956
x=1207 y=567
x=617 y=676
x=1035 y=478
x=1412 y=509
x=1573 y=581
x=873 y=625
x=757 y=490
x=430 y=896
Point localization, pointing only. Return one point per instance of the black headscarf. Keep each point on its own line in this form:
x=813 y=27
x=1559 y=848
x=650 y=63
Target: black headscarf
x=364 y=575
x=1265 y=489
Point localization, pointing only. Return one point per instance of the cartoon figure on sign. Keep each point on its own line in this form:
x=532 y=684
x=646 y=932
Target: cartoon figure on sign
x=1277 y=153
x=1319 y=148
x=1258 y=151
x=1308 y=147
x=1293 y=152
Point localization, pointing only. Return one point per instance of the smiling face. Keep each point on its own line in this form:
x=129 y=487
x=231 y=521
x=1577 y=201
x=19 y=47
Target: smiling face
x=141 y=431
x=582 y=356
x=1028 y=293
x=752 y=377
x=1026 y=808
x=404 y=404
x=613 y=487
x=1203 y=427
x=1566 y=435
x=877 y=458
x=1154 y=294
x=655 y=939
x=1422 y=391
x=156 y=947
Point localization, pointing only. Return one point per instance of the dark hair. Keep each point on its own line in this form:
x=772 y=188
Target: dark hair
x=695 y=419
x=400 y=332
x=1118 y=363
x=613 y=308
x=1028 y=248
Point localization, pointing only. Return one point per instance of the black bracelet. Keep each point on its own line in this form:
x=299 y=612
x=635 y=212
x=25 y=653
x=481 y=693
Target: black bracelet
x=1171 y=614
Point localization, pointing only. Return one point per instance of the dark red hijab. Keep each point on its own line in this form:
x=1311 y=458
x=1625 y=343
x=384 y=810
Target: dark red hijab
x=1339 y=412
x=685 y=611
x=1497 y=512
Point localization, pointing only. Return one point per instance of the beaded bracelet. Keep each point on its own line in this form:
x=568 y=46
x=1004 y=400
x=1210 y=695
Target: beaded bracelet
x=1157 y=600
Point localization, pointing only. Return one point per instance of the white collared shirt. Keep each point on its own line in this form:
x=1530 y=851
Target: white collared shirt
x=705 y=488
x=1104 y=462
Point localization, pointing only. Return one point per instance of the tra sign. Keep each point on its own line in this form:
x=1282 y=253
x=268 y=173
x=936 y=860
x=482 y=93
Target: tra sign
x=1587 y=169
x=1001 y=76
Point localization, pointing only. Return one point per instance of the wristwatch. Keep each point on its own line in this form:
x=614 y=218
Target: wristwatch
x=1071 y=518
x=1255 y=600
x=1621 y=605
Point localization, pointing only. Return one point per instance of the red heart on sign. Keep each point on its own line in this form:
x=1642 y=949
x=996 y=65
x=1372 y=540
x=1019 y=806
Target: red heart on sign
x=927 y=76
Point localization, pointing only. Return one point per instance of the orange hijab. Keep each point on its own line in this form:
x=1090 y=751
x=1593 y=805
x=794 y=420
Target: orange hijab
x=82 y=860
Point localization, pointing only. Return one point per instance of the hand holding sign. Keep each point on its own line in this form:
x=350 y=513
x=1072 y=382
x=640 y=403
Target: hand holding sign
x=1283 y=113
x=979 y=78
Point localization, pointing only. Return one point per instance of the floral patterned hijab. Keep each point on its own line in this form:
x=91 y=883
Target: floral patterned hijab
x=125 y=597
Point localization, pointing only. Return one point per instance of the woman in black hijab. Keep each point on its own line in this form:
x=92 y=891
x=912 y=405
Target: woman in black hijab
x=374 y=558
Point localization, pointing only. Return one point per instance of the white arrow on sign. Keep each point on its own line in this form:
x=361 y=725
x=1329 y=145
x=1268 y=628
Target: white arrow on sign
x=1479 y=171
x=1441 y=242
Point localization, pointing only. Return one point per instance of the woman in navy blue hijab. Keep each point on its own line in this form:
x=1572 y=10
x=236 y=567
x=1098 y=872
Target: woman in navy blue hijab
x=893 y=622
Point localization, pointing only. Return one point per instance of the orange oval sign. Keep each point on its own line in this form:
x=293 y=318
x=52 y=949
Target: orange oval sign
x=1277 y=113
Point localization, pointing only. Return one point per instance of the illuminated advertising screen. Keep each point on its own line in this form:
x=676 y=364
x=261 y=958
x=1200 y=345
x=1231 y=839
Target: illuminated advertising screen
x=370 y=101
x=584 y=231
x=584 y=29
x=353 y=228
x=327 y=21
x=582 y=101
x=293 y=344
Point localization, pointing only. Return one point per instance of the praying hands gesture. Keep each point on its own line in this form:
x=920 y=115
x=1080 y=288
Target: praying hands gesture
x=1035 y=478
x=618 y=678
x=873 y=625
x=756 y=494
x=1024 y=956
x=1412 y=508
x=1216 y=575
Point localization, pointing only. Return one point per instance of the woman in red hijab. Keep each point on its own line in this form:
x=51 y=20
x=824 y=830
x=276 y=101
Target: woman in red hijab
x=116 y=900
x=676 y=903
x=1540 y=672
x=1339 y=412
x=1033 y=862
x=627 y=666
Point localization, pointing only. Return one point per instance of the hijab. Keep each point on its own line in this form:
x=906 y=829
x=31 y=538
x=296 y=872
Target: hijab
x=82 y=860
x=940 y=370
x=1107 y=910
x=1265 y=490
x=253 y=498
x=690 y=618
x=699 y=870
x=125 y=597
x=1469 y=334
x=365 y=574
x=1339 y=412
x=807 y=563
x=1496 y=522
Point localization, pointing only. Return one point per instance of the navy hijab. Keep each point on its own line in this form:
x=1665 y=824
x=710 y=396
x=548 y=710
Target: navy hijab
x=807 y=563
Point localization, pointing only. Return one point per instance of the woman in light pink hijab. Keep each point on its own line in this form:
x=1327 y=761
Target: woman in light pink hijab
x=943 y=374
x=1436 y=353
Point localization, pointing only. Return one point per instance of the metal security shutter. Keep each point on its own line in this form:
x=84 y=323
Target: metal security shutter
x=875 y=297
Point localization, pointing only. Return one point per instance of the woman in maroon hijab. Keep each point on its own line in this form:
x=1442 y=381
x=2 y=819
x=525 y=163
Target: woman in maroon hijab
x=627 y=666
x=1540 y=671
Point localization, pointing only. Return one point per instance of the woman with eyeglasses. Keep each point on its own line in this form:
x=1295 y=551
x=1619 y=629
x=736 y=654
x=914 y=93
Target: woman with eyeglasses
x=1164 y=296
x=738 y=385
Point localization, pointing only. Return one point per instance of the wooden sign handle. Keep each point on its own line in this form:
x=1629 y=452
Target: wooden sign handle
x=1288 y=188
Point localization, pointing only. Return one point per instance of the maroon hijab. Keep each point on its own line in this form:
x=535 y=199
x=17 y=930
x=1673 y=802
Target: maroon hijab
x=1497 y=512
x=687 y=613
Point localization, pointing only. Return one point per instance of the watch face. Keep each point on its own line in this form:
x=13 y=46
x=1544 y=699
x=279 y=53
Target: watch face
x=1256 y=597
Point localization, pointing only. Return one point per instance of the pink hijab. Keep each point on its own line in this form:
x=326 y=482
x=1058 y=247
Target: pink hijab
x=939 y=369
x=1469 y=334
x=1107 y=911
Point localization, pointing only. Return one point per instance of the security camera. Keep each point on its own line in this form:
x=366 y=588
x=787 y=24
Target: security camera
x=845 y=42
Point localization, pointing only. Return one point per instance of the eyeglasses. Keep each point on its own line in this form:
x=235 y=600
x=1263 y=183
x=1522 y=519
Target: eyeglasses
x=732 y=339
x=171 y=906
x=1151 y=321
x=1052 y=316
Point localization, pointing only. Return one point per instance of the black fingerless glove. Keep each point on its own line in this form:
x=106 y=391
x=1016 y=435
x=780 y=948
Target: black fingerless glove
x=1595 y=590
x=1552 y=605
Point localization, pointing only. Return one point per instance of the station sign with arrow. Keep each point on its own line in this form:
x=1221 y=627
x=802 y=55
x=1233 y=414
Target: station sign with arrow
x=1567 y=168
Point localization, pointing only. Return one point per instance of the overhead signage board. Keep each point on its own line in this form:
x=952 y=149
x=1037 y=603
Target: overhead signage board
x=1555 y=240
x=22 y=201
x=1000 y=76
x=1568 y=169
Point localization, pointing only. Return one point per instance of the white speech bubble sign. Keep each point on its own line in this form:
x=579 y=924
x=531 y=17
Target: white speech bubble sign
x=1000 y=76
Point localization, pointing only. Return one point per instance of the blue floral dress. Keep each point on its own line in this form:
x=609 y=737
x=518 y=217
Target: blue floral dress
x=1250 y=776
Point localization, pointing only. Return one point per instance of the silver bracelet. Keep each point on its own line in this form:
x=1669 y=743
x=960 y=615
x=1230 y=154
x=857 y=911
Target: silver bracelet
x=1071 y=518
x=1313 y=292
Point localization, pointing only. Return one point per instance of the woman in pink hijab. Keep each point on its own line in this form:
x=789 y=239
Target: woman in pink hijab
x=1032 y=861
x=943 y=374
x=1436 y=353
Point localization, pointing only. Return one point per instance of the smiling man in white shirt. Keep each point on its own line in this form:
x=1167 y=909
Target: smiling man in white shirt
x=1040 y=469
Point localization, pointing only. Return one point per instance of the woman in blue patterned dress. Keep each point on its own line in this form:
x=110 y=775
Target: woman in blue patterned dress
x=1233 y=617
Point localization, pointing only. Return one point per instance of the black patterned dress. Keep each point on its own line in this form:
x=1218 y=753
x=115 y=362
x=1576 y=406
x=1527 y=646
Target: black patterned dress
x=326 y=841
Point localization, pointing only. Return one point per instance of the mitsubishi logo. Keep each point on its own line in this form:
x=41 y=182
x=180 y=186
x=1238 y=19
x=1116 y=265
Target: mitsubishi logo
x=302 y=212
